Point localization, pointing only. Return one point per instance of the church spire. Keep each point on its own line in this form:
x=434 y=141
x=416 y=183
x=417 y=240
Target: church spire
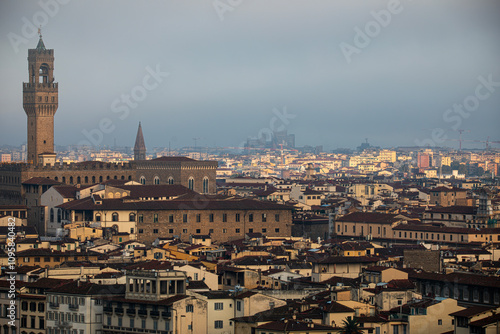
x=140 y=146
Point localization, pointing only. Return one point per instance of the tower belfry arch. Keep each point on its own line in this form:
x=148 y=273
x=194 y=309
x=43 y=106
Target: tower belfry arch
x=40 y=102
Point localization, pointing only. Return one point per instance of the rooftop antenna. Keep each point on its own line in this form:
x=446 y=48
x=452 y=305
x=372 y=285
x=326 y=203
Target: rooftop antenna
x=40 y=31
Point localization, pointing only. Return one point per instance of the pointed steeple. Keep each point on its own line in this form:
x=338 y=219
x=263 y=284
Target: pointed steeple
x=140 y=146
x=40 y=46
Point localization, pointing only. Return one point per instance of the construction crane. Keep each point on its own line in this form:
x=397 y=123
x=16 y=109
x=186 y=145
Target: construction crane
x=487 y=142
x=460 y=131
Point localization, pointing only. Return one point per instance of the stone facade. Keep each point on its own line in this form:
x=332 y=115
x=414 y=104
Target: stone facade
x=443 y=196
x=222 y=225
x=164 y=170
x=427 y=260
x=178 y=170
x=40 y=101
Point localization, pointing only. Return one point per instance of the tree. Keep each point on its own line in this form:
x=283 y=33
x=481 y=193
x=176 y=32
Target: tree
x=351 y=326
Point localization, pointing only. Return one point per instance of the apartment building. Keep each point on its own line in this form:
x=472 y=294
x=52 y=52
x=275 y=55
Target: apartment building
x=77 y=307
x=154 y=301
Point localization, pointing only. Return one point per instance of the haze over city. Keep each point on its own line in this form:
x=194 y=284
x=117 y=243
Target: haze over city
x=230 y=66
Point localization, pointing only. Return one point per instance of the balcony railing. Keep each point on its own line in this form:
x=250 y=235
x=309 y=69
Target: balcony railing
x=73 y=306
x=154 y=313
x=53 y=305
x=166 y=314
x=131 y=311
x=119 y=310
x=143 y=313
x=63 y=324
x=107 y=309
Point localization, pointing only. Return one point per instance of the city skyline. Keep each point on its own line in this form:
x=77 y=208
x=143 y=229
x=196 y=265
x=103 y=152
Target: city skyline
x=219 y=76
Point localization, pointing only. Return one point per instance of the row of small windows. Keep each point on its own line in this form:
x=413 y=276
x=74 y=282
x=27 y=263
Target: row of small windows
x=310 y=197
x=115 y=217
x=407 y=234
x=51 y=330
x=463 y=293
x=86 y=179
x=211 y=218
x=156 y=180
x=171 y=217
x=362 y=229
x=143 y=323
x=26 y=98
x=447 y=216
x=33 y=306
x=31 y=98
x=32 y=323
x=55 y=299
x=210 y=231
x=48 y=258
x=438 y=236
x=68 y=317
x=9 y=179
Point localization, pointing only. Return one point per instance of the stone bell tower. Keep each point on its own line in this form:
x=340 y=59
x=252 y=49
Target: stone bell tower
x=40 y=102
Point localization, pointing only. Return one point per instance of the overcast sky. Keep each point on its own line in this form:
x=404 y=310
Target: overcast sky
x=230 y=63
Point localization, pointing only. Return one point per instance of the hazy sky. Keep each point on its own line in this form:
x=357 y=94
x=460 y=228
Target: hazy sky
x=343 y=70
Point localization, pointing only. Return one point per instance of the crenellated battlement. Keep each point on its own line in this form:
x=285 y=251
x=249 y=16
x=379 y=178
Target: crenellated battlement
x=38 y=52
x=13 y=166
x=74 y=166
x=27 y=86
x=81 y=166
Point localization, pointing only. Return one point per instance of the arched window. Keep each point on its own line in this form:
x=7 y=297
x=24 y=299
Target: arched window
x=170 y=180
x=43 y=73
x=142 y=180
x=64 y=179
x=114 y=217
x=131 y=217
x=117 y=195
x=78 y=180
x=100 y=178
x=51 y=215
x=123 y=177
x=56 y=178
x=107 y=177
x=130 y=177
x=97 y=217
x=86 y=179
x=191 y=183
x=59 y=215
x=71 y=180
x=156 y=180
x=115 y=177
x=205 y=185
x=93 y=179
